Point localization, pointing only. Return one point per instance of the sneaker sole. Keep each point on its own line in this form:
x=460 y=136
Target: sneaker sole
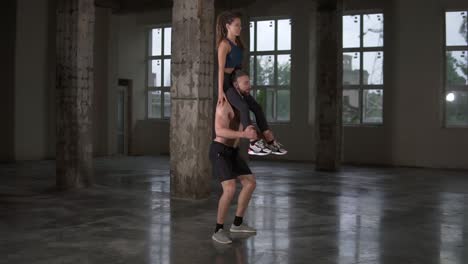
x=224 y=243
x=241 y=231
x=258 y=154
x=279 y=153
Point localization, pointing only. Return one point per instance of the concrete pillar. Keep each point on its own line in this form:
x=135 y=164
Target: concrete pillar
x=192 y=97
x=329 y=85
x=75 y=81
x=7 y=75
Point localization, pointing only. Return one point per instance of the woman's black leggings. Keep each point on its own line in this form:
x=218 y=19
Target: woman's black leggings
x=243 y=104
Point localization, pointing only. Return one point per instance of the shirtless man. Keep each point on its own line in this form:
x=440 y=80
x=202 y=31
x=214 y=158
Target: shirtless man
x=227 y=163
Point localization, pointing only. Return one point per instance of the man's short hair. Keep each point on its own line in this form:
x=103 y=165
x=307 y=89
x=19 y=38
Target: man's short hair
x=238 y=73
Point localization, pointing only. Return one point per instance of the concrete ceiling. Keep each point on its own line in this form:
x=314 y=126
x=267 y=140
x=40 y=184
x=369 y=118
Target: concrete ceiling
x=131 y=6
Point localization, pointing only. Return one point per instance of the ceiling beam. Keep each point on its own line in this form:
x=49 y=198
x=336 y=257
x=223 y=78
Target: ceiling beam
x=112 y=4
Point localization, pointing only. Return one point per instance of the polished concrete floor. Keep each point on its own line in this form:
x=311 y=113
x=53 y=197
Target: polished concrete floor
x=359 y=215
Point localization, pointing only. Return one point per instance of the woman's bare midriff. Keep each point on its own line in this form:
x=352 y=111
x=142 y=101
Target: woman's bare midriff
x=228 y=70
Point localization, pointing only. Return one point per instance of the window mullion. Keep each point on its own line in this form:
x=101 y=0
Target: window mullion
x=162 y=72
x=149 y=44
x=275 y=71
x=448 y=87
x=361 y=93
x=255 y=55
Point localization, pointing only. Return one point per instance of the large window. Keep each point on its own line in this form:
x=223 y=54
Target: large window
x=456 y=69
x=270 y=67
x=159 y=73
x=363 y=82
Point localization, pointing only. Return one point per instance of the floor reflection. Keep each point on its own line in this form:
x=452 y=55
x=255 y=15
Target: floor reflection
x=160 y=231
x=235 y=253
x=270 y=212
x=452 y=227
x=359 y=215
x=359 y=226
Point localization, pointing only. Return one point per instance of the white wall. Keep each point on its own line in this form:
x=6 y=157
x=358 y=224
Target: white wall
x=101 y=82
x=418 y=136
x=412 y=133
x=34 y=96
x=149 y=137
x=373 y=144
x=7 y=75
x=298 y=134
x=32 y=80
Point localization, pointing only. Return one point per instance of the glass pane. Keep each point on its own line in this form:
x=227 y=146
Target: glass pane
x=457 y=108
x=373 y=68
x=154 y=73
x=265 y=70
x=351 y=68
x=372 y=104
x=351 y=31
x=167 y=72
x=251 y=69
x=265 y=35
x=167 y=41
x=156 y=42
x=167 y=104
x=260 y=97
x=284 y=69
x=373 y=30
x=284 y=34
x=456 y=28
x=270 y=105
x=457 y=67
x=252 y=36
x=351 y=107
x=283 y=105
x=154 y=104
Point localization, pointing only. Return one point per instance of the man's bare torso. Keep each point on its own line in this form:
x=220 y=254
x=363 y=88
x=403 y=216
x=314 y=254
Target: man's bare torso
x=227 y=117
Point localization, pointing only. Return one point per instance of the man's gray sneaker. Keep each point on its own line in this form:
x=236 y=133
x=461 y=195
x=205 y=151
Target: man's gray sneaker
x=221 y=237
x=243 y=228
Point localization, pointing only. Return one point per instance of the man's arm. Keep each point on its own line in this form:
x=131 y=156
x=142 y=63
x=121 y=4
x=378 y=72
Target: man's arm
x=222 y=125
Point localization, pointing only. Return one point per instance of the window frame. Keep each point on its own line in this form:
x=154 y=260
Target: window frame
x=275 y=52
x=361 y=87
x=445 y=86
x=148 y=59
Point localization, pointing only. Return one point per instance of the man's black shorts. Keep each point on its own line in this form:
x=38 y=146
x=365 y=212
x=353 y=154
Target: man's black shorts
x=227 y=163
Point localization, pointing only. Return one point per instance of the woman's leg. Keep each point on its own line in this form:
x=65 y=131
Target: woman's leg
x=237 y=101
x=272 y=143
x=240 y=104
x=259 y=118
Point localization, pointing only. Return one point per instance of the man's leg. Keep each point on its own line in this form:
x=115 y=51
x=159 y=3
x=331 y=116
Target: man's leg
x=248 y=186
x=229 y=189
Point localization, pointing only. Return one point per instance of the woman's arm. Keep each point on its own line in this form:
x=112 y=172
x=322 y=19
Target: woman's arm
x=223 y=50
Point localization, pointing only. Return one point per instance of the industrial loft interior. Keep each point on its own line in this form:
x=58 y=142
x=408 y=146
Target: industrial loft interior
x=234 y=131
